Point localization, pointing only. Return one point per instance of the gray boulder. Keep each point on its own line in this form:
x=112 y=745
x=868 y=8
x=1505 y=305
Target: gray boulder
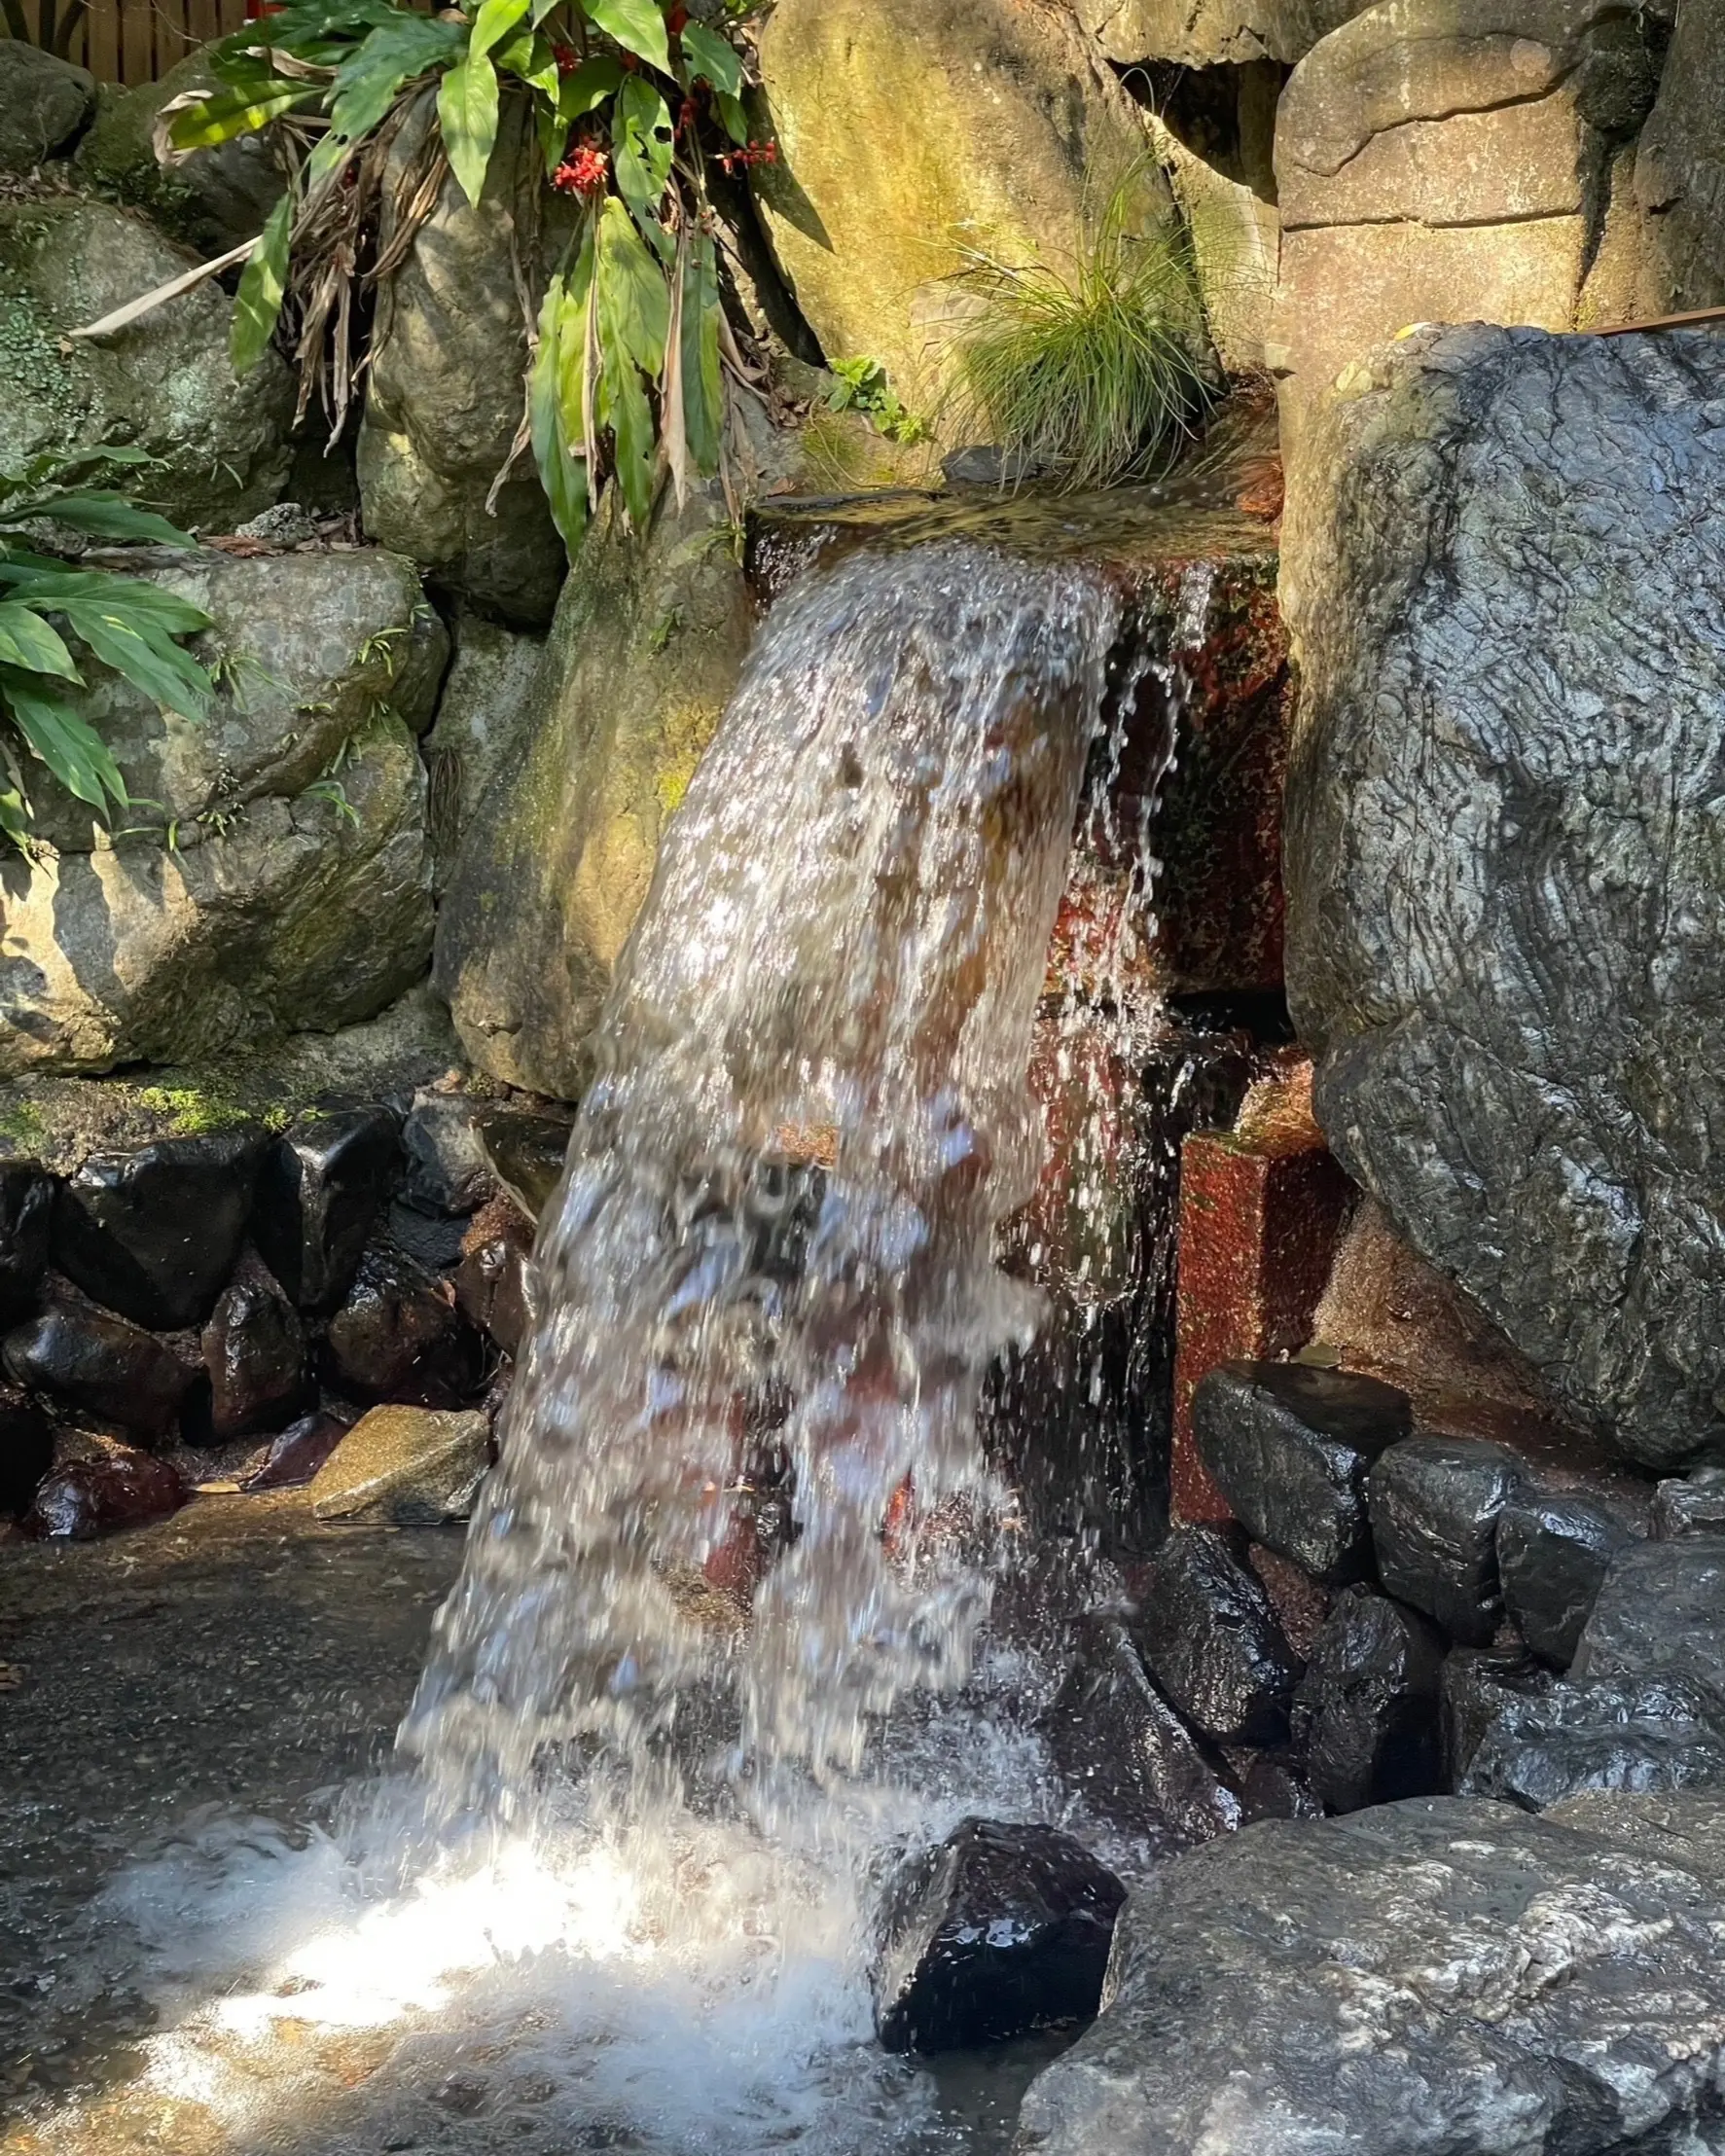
x=1213 y=33
x=273 y=873
x=1680 y=160
x=1442 y=1977
x=164 y=384
x=44 y=101
x=1506 y=875
x=1629 y=1733
x=482 y=716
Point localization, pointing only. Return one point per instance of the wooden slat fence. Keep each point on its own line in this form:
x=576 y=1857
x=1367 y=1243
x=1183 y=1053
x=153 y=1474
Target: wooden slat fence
x=121 y=40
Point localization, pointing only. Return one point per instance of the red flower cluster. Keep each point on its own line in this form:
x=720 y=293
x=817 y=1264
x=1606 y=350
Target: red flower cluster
x=566 y=57
x=755 y=153
x=584 y=171
x=677 y=19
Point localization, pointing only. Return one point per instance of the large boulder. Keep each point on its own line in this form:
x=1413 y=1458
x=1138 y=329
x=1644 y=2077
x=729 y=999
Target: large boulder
x=1442 y=1977
x=975 y=125
x=482 y=715
x=1506 y=873
x=647 y=646
x=165 y=384
x=446 y=383
x=1213 y=33
x=274 y=871
x=1679 y=176
x=44 y=100
x=212 y=199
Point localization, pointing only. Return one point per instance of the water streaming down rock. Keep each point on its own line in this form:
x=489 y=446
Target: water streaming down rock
x=775 y=1232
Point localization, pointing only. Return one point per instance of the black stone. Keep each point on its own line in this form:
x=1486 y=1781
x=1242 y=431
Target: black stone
x=527 y=1149
x=400 y=1336
x=1366 y=1715
x=1634 y=1734
x=1290 y=1448
x=1478 y=1684
x=1213 y=1640
x=1693 y=1505
x=997 y=1932
x=1554 y=1550
x=318 y=1193
x=26 y=1215
x=99 y=1364
x=154 y=1234
x=1273 y=1789
x=26 y=1449
x=492 y=1282
x=1124 y=1752
x=94 y=1496
x=1661 y=1613
x=448 y=1170
x=254 y=1350
x=1435 y=1503
x=431 y=1239
x=299 y=1452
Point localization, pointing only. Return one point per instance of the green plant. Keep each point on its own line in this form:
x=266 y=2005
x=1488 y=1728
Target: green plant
x=861 y=386
x=631 y=101
x=132 y=626
x=1093 y=372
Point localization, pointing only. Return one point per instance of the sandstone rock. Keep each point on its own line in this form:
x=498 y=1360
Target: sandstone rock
x=163 y=385
x=26 y=1449
x=407 y=1465
x=1477 y=1685
x=119 y=1489
x=320 y=1192
x=1290 y=1448
x=1366 y=1714
x=277 y=875
x=44 y=101
x=296 y=1455
x=1435 y=1506
x=1504 y=884
x=1213 y=33
x=989 y=125
x=485 y=709
x=997 y=1931
x=110 y=1369
x=213 y=199
x=1679 y=171
x=1554 y=1550
x=445 y=387
x=399 y=1336
x=1210 y=1638
x=26 y=1212
x=1435 y=1978
x=1631 y=1733
x=254 y=1350
x=647 y=646
x=1694 y=1505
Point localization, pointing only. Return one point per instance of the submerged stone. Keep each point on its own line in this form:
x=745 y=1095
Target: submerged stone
x=92 y=1360
x=997 y=1932
x=1366 y=1714
x=1554 y=1550
x=1290 y=1448
x=318 y=1193
x=408 y=1465
x=1435 y=1503
x=119 y=1489
x=1207 y=1630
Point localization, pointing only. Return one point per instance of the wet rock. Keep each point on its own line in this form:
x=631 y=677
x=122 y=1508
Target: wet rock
x=1271 y=1789
x=997 y=1932
x=1435 y=1503
x=296 y=1453
x=527 y=1151
x=494 y=1281
x=43 y=102
x=111 y=1370
x=1691 y=1505
x=1477 y=1686
x=447 y=1168
x=1436 y=1978
x=1661 y=1613
x=26 y=1449
x=1680 y=163
x=1211 y=1641
x=153 y=1234
x=433 y=1240
x=1125 y=1754
x=254 y=1350
x=408 y=1465
x=26 y=1213
x=399 y=1336
x=1554 y=1550
x=1646 y=1733
x=318 y=1193
x=480 y=718
x=121 y=1488
x=1300 y=1602
x=1366 y=1715
x=1290 y=1448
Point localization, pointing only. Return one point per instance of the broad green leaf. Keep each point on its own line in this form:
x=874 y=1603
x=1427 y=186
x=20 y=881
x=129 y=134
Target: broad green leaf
x=530 y=56
x=563 y=475
x=540 y=9
x=592 y=83
x=641 y=150
x=704 y=382
x=165 y=613
x=634 y=303
x=27 y=640
x=149 y=660
x=710 y=59
x=493 y=23
x=15 y=816
x=368 y=82
x=625 y=409
x=638 y=25
x=736 y=121
x=467 y=111
x=230 y=112
x=109 y=516
x=68 y=745
x=256 y=306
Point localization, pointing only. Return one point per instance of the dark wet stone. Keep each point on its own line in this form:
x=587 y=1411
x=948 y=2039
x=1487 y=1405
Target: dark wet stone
x=1477 y=1686
x=26 y=1449
x=492 y=1282
x=254 y=1350
x=1290 y=1448
x=1554 y=1550
x=1124 y=1752
x=1660 y=1613
x=1301 y=1603
x=997 y=1932
x=154 y=1234
x=448 y=1170
x=299 y=1452
x=400 y=1336
x=1211 y=1641
x=1692 y=1505
x=318 y=1193
x=94 y=1496
x=99 y=1364
x=1637 y=1734
x=1271 y=1789
x=526 y=1150
x=26 y=1214
x=431 y=1239
x=1435 y=1502
x=1366 y=1715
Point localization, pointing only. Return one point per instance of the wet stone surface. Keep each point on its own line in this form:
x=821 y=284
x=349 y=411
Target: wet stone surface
x=1694 y=1504
x=318 y=1193
x=1210 y=1638
x=102 y=1365
x=399 y=1336
x=1634 y=1734
x=119 y=1488
x=1477 y=1686
x=1435 y=1503
x=253 y=1353
x=1554 y=1550
x=26 y=1214
x=1366 y=1715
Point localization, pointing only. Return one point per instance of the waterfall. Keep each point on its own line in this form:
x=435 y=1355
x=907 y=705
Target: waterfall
x=769 y=1265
